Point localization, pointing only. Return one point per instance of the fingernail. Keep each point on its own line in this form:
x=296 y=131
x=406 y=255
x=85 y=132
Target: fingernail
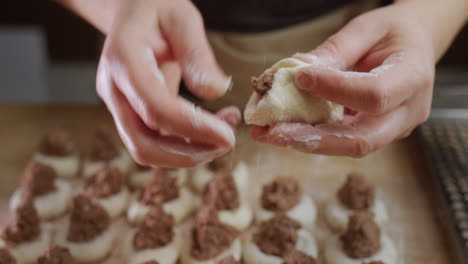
x=225 y=85
x=305 y=81
x=222 y=128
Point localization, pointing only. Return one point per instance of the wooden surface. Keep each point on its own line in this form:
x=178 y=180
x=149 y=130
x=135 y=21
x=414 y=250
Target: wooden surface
x=398 y=171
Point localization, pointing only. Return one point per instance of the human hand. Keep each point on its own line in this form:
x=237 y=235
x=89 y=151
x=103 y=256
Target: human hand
x=392 y=52
x=150 y=46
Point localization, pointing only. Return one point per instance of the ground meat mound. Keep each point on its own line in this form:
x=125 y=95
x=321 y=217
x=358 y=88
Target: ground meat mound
x=25 y=225
x=262 y=84
x=362 y=237
x=221 y=163
x=277 y=236
x=156 y=230
x=281 y=194
x=87 y=220
x=298 y=257
x=6 y=257
x=209 y=236
x=103 y=146
x=105 y=183
x=56 y=143
x=357 y=193
x=162 y=187
x=222 y=192
x=38 y=180
x=56 y=255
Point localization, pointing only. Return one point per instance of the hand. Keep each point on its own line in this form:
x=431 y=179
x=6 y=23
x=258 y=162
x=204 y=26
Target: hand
x=150 y=46
x=392 y=52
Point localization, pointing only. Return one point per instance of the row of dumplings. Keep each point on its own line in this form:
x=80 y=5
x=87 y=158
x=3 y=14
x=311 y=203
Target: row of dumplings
x=61 y=218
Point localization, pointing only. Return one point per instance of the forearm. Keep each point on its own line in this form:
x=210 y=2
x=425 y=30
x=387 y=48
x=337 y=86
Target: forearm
x=443 y=19
x=99 y=13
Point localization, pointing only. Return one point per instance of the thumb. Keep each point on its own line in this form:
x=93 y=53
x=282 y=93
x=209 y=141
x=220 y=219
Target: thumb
x=184 y=29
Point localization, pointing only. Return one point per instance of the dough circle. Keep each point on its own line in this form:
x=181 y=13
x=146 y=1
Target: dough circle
x=253 y=255
x=179 y=208
x=115 y=204
x=284 y=102
x=334 y=253
x=337 y=215
x=29 y=252
x=168 y=254
x=66 y=167
x=50 y=205
x=235 y=250
x=90 y=251
x=305 y=212
x=123 y=162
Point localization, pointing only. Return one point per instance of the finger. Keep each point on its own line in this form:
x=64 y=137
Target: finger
x=231 y=115
x=172 y=73
x=346 y=47
x=366 y=135
x=147 y=146
x=136 y=73
x=183 y=27
x=376 y=92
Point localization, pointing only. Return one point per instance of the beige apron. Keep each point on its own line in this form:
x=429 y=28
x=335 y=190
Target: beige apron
x=247 y=55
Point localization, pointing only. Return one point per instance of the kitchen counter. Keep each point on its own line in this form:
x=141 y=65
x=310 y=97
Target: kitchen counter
x=398 y=170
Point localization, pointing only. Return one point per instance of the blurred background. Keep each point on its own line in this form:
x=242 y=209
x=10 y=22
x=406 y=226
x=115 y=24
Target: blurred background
x=48 y=55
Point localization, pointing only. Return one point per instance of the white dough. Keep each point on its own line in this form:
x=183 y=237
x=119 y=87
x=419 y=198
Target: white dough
x=284 y=102
x=28 y=252
x=241 y=178
x=115 y=204
x=337 y=214
x=139 y=178
x=181 y=175
x=90 y=251
x=334 y=253
x=123 y=162
x=253 y=255
x=168 y=254
x=235 y=251
x=305 y=212
x=239 y=218
x=178 y=208
x=66 y=167
x=50 y=205
x=202 y=175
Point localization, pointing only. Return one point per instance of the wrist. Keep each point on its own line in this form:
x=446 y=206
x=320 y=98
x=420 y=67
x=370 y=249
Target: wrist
x=442 y=20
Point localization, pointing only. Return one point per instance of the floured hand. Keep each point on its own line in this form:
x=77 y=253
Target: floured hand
x=392 y=52
x=151 y=45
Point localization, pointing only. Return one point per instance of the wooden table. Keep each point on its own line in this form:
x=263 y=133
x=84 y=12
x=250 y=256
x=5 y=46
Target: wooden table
x=398 y=170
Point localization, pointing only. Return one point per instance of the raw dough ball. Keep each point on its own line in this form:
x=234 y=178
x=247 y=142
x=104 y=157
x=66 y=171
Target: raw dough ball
x=337 y=214
x=253 y=255
x=284 y=102
x=334 y=253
